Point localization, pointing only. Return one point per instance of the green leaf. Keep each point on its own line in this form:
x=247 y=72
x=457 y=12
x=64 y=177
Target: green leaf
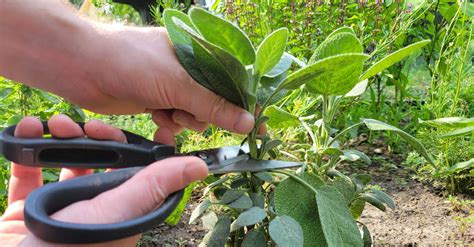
x=461 y=166
x=286 y=232
x=358 y=89
x=232 y=67
x=393 y=58
x=281 y=67
x=223 y=34
x=5 y=93
x=251 y=216
x=357 y=207
x=339 y=228
x=367 y=238
x=372 y=199
x=175 y=216
x=271 y=51
x=458 y=132
x=383 y=197
x=254 y=238
x=335 y=75
x=449 y=122
x=209 y=220
x=342 y=30
x=280 y=119
x=199 y=210
x=353 y=155
x=301 y=207
x=267 y=88
x=217 y=237
x=336 y=44
x=373 y=124
x=231 y=195
x=264 y=176
x=345 y=187
x=258 y=200
x=242 y=202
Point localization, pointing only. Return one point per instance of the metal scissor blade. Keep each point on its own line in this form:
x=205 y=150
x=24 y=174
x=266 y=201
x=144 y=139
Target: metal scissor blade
x=235 y=159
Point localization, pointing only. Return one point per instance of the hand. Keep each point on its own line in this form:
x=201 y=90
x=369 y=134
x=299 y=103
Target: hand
x=108 y=68
x=139 y=195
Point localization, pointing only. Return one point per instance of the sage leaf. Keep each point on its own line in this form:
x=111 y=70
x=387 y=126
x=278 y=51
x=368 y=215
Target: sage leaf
x=334 y=75
x=339 y=228
x=367 y=238
x=336 y=44
x=268 y=86
x=383 y=197
x=271 y=51
x=353 y=155
x=231 y=195
x=223 y=34
x=251 y=216
x=209 y=220
x=280 y=119
x=357 y=207
x=449 y=122
x=302 y=207
x=373 y=124
x=254 y=238
x=358 y=89
x=372 y=199
x=286 y=232
x=461 y=166
x=393 y=58
x=342 y=30
x=346 y=188
x=264 y=176
x=217 y=237
x=281 y=67
x=258 y=200
x=458 y=132
x=242 y=202
x=199 y=210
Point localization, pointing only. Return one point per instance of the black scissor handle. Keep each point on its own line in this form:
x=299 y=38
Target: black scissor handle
x=53 y=197
x=81 y=152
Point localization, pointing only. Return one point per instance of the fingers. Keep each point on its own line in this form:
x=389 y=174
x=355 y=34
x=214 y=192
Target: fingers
x=188 y=120
x=208 y=107
x=139 y=195
x=25 y=179
x=163 y=118
x=165 y=135
x=98 y=130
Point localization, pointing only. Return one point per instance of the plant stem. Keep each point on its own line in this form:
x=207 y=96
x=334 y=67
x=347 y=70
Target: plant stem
x=298 y=179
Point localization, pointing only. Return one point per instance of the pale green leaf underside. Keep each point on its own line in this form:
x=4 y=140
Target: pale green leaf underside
x=393 y=58
x=199 y=210
x=338 y=226
x=353 y=155
x=223 y=34
x=279 y=118
x=358 y=89
x=335 y=75
x=286 y=232
x=462 y=165
x=270 y=51
x=282 y=66
x=373 y=124
x=218 y=235
x=459 y=132
x=336 y=44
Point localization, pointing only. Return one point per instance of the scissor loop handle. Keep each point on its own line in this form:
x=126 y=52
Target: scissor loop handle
x=47 y=200
x=81 y=152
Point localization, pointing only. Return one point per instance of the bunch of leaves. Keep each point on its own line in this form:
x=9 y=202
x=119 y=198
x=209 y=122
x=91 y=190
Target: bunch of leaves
x=335 y=71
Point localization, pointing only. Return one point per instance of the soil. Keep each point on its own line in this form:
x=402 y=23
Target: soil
x=423 y=216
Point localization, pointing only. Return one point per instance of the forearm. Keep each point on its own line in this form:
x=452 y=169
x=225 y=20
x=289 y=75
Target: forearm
x=44 y=44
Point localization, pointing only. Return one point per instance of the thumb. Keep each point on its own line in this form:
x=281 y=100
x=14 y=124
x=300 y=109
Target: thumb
x=138 y=196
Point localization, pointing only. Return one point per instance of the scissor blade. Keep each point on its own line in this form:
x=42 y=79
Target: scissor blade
x=235 y=159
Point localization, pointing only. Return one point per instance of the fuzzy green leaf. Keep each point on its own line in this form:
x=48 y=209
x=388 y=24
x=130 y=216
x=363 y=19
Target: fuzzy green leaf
x=267 y=88
x=372 y=199
x=249 y=217
x=366 y=236
x=281 y=67
x=217 y=237
x=302 y=207
x=335 y=75
x=339 y=228
x=271 y=51
x=264 y=176
x=353 y=155
x=209 y=220
x=223 y=34
x=231 y=195
x=461 y=166
x=258 y=200
x=199 y=210
x=458 y=132
x=336 y=44
x=254 y=238
x=242 y=202
x=357 y=207
x=373 y=124
x=285 y=231
x=342 y=30
x=393 y=58
x=358 y=89
x=383 y=197
x=449 y=122
x=279 y=118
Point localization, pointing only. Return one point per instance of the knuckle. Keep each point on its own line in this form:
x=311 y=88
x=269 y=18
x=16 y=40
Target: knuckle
x=217 y=107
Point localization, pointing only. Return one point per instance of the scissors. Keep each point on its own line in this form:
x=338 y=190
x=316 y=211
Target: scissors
x=88 y=153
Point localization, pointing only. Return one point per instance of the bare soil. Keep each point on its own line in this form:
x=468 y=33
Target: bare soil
x=423 y=216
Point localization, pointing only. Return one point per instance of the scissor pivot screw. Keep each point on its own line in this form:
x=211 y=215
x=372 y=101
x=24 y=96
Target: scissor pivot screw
x=202 y=155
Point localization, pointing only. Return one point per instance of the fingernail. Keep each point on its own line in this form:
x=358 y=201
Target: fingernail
x=244 y=123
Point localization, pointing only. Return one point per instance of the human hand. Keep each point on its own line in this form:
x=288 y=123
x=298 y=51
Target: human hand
x=139 y=195
x=109 y=69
